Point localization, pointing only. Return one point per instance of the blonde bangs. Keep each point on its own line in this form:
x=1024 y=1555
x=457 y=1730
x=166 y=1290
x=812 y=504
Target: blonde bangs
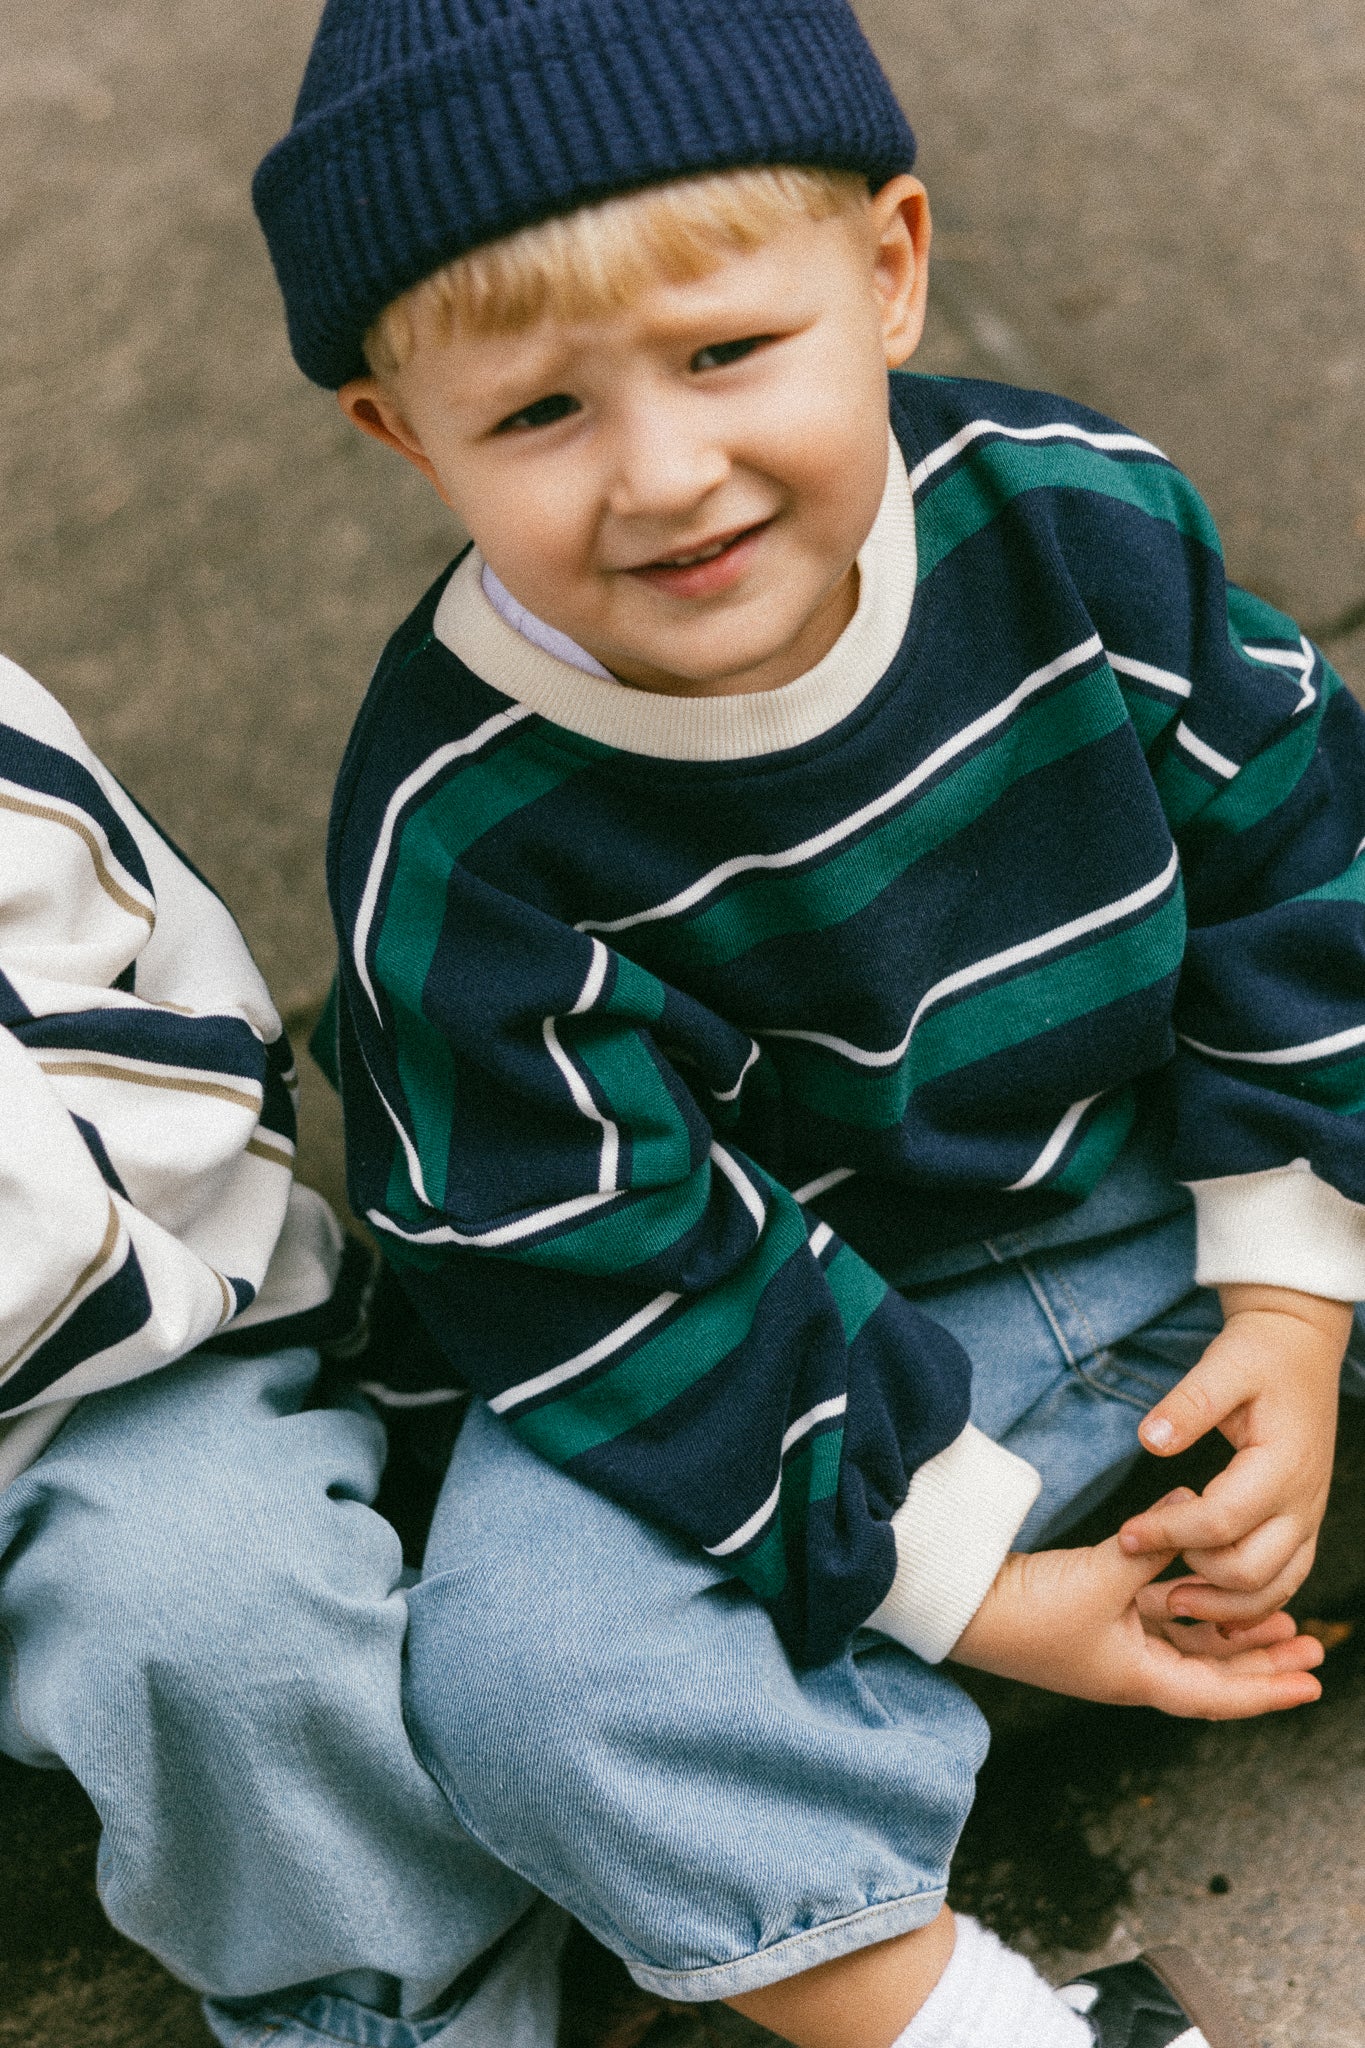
x=580 y=266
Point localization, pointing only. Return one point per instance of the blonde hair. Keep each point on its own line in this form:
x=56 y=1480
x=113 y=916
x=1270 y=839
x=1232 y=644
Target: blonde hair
x=598 y=259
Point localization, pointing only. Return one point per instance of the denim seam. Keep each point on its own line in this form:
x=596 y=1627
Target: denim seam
x=1111 y=1392
x=697 y=1986
x=1039 y=1293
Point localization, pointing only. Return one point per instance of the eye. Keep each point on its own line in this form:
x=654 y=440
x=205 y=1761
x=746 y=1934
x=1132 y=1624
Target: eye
x=543 y=412
x=719 y=353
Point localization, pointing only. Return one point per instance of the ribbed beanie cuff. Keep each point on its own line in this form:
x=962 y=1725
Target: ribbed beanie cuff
x=427 y=127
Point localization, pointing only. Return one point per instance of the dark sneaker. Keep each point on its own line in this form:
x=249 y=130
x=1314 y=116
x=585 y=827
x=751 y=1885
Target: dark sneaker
x=1163 y=2000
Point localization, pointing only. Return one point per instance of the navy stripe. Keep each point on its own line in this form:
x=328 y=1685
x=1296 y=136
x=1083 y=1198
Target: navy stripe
x=45 y=771
x=116 y=1310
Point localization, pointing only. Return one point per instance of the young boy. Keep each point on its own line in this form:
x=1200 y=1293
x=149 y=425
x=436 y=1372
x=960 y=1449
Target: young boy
x=846 y=942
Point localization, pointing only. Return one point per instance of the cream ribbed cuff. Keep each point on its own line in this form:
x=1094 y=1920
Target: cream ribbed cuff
x=963 y=1511
x=1280 y=1228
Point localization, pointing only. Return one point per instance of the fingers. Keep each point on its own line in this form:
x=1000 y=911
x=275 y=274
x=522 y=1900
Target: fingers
x=1239 y=1604
x=1265 y=1680
x=1206 y=1638
x=1240 y=1499
x=1198 y=1403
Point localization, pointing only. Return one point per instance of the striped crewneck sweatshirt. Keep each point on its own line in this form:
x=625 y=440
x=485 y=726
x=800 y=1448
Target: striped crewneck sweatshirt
x=670 y=1030
x=147 y=1198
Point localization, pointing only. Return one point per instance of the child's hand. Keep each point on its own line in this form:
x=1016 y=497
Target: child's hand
x=1269 y=1382
x=1089 y=1623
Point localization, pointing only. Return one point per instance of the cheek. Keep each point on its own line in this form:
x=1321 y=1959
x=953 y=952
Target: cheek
x=526 y=524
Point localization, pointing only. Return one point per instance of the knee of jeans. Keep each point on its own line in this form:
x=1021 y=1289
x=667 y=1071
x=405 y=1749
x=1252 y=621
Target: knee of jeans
x=208 y=1571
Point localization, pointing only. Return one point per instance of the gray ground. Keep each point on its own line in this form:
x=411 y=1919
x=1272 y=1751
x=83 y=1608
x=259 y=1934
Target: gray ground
x=1153 y=206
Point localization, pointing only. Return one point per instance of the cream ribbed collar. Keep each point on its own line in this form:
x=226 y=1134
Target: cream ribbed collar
x=702 y=728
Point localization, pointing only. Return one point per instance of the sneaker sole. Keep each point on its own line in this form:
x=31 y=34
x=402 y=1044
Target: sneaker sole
x=1203 y=1998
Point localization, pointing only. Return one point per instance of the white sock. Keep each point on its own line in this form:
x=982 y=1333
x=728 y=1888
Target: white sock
x=992 y=1997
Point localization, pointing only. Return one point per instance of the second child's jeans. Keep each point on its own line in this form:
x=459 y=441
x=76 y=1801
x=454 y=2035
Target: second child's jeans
x=339 y=1805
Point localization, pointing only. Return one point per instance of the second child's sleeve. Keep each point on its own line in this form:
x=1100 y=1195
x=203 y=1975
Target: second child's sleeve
x=537 y=1129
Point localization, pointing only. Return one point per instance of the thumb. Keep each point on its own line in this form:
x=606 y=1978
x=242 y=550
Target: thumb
x=1196 y=1404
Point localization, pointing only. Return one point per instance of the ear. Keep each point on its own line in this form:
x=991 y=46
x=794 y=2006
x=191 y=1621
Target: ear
x=369 y=406
x=902 y=231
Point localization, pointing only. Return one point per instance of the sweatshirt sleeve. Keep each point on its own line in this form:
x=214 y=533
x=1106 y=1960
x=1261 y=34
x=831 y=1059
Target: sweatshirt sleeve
x=539 y=1129
x=1263 y=779
x=146 y=1198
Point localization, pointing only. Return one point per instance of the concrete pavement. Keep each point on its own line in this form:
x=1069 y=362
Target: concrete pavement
x=1153 y=207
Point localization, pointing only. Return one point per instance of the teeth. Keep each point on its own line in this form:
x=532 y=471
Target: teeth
x=703 y=555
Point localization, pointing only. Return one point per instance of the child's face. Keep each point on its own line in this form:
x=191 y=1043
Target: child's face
x=682 y=487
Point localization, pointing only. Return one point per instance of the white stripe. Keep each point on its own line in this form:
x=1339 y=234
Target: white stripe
x=1289 y=1055
x=1202 y=751
x=821 y=842
x=505 y=1233
x=1305 y=661
x=611 y=1137
x=597 y=974
x=1193 y=2037
x=748 y=1529
x=1013 y=956
x=574 y=1368
x=1054 y=1147
x=419 y=1186
x=730 y=1094
x=824 y=1412
x=1159 y=678
x=819 y=1238
x=430 y=1397
x=739 y=1180
x=402 y=796
x=815 y=1188
x=1059 y=430
x=1281 y=657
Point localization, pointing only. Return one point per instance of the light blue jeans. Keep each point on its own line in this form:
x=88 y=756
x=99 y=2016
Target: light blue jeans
x=350 y=1810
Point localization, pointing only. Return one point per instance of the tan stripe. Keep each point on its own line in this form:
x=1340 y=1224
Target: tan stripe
x=277 y=1154
x=229 y=1298
x=93 y=847
x=101 y=1070
x=82 y=1280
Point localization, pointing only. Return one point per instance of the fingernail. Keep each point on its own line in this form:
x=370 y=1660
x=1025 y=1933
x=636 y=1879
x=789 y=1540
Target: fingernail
x=1158 y=1434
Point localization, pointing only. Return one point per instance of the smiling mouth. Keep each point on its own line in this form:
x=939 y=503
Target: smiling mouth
x=711 y=552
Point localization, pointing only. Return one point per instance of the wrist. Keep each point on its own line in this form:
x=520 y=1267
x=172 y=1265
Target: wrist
x=1331 y=1318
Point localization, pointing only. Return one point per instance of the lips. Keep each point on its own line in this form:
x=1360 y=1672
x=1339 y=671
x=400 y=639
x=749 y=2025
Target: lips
x=706 y=569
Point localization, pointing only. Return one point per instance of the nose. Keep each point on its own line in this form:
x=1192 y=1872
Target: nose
x=666 y=458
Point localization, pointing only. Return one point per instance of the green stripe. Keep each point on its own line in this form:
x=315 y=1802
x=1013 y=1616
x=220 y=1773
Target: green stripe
x=1339 y=1086
x=1265 y=782
x=858 y=1291
x=431 y=841
x=774 y=905
x=764 y=1570
x=810 y=1474
x=635 y=993
x=1255 y=618
x=1151 y=716
x=1347 y=888
x=714 y=1325
x=977 y=1026
x=624 y=1233
x=1182 y=791
x=621 y=1064
x=1104 y=1134
x=970 y=497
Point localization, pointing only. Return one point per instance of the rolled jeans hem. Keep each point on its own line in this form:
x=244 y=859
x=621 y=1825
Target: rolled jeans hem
x=795 y=1953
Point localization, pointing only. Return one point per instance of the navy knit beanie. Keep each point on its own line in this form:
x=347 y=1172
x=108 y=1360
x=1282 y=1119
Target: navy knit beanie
x=425 y=127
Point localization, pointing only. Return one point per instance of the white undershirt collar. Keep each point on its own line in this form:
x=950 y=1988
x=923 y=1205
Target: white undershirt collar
x=480 y=621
